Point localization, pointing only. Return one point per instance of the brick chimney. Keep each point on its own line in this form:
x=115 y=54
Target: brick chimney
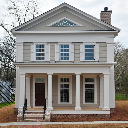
x=106 y=15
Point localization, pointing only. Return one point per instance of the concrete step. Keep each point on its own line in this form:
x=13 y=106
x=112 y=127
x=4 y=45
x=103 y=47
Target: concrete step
x=34 y=120
x=34 y=112
x=33 y=115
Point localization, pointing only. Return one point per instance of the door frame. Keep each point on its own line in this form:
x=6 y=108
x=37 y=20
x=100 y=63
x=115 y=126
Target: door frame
x=34 y=81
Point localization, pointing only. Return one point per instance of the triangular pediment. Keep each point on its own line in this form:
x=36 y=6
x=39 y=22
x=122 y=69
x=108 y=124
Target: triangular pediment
x=64 y=22
x=65 y=18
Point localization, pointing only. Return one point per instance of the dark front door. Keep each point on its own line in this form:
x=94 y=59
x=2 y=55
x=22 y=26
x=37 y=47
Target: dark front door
x=39 y=94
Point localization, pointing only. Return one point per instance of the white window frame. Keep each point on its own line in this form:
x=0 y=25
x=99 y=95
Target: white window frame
x=95 y=88
x=84 y=50
x=64 y=43
x=70 y=88
x=35 y=50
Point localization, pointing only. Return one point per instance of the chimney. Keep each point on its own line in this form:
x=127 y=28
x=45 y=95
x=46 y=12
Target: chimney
x=106 y=15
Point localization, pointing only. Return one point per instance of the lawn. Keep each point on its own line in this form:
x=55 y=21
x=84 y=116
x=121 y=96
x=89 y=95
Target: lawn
x=120 y=96
x=5 y=104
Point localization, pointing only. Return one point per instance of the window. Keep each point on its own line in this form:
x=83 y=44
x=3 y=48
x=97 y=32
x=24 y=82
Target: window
x=64 y=22
x=40 y=52
x=64 y=52
x=89 y=52
x=64 y=89
x=89 y=89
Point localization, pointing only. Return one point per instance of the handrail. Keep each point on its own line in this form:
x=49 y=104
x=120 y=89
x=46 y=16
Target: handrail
x=24 y=108
x=44 y=108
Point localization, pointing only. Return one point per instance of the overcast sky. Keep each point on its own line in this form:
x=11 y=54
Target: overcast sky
x=93 y=7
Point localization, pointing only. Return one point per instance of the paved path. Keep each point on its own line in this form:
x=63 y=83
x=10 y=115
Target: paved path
x=44 y=123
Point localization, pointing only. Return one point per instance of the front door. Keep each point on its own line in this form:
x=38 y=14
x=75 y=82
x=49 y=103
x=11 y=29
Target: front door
x=39 y=94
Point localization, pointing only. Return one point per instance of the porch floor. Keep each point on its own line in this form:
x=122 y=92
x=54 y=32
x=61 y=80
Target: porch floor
x=34 y=109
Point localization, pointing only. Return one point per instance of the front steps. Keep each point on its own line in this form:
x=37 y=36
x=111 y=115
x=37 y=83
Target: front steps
x=34 y=116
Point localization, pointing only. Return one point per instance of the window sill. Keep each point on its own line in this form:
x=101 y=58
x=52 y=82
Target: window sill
x=64 y=103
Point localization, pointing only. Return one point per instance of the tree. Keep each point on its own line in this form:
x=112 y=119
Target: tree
x=18 y=12
x=121 y=68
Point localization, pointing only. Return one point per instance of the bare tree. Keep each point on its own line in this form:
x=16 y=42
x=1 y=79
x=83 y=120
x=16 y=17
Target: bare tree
x=17 y=12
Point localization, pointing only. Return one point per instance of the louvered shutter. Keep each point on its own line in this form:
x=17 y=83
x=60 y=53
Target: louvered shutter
x=82 y=52
x=47 y=53
x=32 y=53
x=71 y=52
x=96 y=52
x=57 y=52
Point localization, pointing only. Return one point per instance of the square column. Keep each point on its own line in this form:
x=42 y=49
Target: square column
x=49 y=92
x=28 y=90
x=77 y=92
x=106 y=92
x=101 y=91
x=17 y=88
x=22 y=91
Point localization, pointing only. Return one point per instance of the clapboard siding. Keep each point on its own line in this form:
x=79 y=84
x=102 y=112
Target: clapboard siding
x=26 y=52
x=102 y=52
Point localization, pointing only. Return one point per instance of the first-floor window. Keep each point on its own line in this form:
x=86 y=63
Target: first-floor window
x=64 y=90
x=40 y=52
x=89 y=90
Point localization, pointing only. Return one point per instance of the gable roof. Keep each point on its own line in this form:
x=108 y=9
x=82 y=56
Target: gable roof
x=68 y=6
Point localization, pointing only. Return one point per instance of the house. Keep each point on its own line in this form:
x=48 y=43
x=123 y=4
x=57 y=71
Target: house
x=66 y=56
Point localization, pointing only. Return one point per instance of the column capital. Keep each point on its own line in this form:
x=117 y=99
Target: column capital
x=27 y=75
x=106 y=75
x=77 y=73
x=49 y=73
x=101 y=75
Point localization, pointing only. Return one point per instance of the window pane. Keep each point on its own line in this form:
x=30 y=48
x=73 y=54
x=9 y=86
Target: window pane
x=89 y=46
x=89 y=95
x=89 y=50
x=67 y=79
x=61 y=58
x=67 y=58
x=61 y=50
x=64 y=79
x=89 y=85
x=89 y=79
x=64 y=95
x=61 y=46
x=61 y=86
x=66 y=85
x=89 y=58
x=61 y=80
x=65 y=46
x=40 y=54
x=40 y=58
x=89 y=54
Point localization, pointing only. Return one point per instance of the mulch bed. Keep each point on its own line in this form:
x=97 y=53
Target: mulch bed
x=7 y=114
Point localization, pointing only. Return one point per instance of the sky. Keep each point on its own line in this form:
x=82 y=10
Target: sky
x=119 y=17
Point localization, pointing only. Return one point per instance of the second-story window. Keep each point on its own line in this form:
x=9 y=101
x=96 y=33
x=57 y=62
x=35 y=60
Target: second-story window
x=40 y=52
x=89 y=52
x=64 y=52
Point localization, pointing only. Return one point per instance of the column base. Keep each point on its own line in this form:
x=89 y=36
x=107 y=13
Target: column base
x=49 y=108
x=106 y=108
x=100 y=106
x=28 y=106
x=77 y=108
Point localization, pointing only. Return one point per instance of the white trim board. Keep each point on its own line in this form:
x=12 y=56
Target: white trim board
x=80 y=112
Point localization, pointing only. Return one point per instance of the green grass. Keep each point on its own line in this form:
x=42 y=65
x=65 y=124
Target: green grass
x=5 y=104
x=119 y=96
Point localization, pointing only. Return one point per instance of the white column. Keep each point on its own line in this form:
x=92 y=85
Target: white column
x=106 y=92
x=22 y=91
x=49 y=92
x=28 y=90
x=101 y=91
x=17 y=88
x=77 y=92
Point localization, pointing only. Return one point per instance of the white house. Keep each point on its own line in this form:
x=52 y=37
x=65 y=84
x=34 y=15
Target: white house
x=66 y=56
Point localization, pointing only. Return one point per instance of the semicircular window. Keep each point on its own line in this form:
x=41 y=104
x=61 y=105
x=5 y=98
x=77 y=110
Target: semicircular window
x=64 y=22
